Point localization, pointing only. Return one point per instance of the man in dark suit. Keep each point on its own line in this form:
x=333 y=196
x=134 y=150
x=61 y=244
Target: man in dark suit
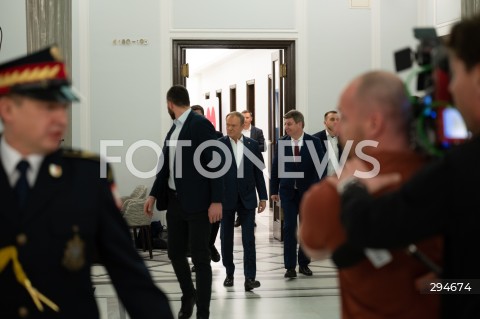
x=330 y=135
x=215 y=226
x=58 y=213
x=254 y=133
x=289 y=181
x=241 y=180
x=192 y=198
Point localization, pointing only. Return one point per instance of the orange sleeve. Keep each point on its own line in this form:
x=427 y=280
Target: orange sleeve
x=320 y=227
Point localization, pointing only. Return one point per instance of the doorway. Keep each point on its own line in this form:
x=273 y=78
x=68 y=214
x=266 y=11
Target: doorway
x=281 y=90
x=251 y=98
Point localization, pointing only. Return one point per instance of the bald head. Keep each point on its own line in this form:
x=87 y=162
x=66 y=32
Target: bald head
x=375 y=106
x=385 y=92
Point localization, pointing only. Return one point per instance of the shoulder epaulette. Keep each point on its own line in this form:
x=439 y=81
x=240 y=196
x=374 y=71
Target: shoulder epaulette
x=74 y=153
x=86 y=155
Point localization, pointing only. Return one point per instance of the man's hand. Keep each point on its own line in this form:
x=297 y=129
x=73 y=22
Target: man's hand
x=148 y=206
x=261 y=206
x=275 y=198
x=373 y=184
x=317 y=254
x=215 y=212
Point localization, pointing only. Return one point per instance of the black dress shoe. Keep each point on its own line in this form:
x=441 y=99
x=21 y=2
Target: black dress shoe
x=237 y=222
x=251 y=283
x=186 y=310
x=214 y=254
x=290 y=273
x=305 y=270
x=228 y=282
x=193 y=268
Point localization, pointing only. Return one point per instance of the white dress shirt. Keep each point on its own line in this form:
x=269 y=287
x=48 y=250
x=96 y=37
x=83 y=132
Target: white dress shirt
x=333 y=144
x=10 y=158
x=237 y=150
x=248 y=132
x=298 y=142
x=172 y=146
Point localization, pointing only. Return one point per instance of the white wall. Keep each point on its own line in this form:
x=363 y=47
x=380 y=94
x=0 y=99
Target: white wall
x=14 y=27
x=124 y=100
x=338 y=47
x=234 y=15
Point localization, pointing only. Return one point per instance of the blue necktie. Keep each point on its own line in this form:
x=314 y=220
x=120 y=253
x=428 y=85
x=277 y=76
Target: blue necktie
x=22 y=188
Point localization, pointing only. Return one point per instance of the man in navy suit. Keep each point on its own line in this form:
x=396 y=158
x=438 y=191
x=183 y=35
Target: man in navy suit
x=330 y=135
x=192 y=198
x=254 y=133
x=241 y=180
x=290 y=180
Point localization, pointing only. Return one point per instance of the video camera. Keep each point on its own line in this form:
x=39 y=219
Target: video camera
x=437 y=125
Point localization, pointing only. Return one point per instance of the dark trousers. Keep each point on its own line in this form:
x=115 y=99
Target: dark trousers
x=247 y=218
x=213 y=233
x=290 y=209
x=184 y=231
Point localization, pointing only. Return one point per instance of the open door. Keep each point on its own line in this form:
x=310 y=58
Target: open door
x=282 y=95
x=276 y=111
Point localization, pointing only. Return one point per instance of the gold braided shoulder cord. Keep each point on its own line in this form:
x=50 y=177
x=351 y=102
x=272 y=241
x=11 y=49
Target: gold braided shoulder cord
x=10 y=253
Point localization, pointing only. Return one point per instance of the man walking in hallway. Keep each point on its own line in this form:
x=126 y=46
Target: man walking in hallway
x=329 y=136
x=193 y=201
x=241 y=180
x=255 y=133
x=215 y=256
x=290 y=180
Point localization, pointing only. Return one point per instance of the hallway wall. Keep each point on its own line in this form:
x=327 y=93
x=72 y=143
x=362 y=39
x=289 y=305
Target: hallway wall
x=14 y=28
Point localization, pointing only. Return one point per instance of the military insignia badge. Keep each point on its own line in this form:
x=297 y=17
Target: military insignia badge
x=55 y=170
x=74 y=254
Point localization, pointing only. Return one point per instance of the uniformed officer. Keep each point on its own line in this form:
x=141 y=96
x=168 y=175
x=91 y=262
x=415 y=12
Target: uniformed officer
x=56 y=212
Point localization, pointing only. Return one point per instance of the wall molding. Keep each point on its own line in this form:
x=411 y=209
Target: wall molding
x=443 y=28
x=235 y=31
x=84 y=67
x=375 y=28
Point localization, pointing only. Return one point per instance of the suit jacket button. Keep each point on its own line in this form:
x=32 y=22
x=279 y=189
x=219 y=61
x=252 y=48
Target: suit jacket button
x=21 y=239
x=23 y=312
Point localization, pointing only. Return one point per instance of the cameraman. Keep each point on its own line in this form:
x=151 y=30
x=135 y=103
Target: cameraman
x=439 y=199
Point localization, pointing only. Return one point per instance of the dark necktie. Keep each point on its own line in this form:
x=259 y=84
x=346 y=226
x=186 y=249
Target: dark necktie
x=296 y=149
x=22 y=188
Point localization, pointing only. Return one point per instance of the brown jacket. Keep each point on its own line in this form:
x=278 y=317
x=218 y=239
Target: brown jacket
x=368 y=292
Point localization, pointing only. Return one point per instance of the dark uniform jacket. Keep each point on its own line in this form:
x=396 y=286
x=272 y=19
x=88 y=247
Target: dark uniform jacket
x=71 y=216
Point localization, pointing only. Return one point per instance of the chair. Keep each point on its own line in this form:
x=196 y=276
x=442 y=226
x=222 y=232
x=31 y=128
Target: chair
x=139 y=192
x=132 y=210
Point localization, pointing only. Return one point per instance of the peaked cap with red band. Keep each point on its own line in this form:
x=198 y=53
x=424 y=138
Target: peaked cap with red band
x=41 y=75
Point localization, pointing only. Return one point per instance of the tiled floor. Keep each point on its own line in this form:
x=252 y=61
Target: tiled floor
x=277 y=298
